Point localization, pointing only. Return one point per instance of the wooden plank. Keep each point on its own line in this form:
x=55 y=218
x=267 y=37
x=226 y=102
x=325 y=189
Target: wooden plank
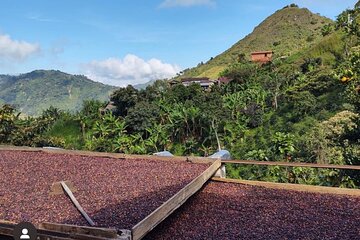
x=292 y=164
x=157 y=216
x=203 y=160
x=101 y=232
x=54 y=231
x=7 y=222
x=294 y=187
x=76 y=203
x=6 y=231
x=54 y=235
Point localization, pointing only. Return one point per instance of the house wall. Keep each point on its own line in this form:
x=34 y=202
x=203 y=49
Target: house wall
x=261 y=57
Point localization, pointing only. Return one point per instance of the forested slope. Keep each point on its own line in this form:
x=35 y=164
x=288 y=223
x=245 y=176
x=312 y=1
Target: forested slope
x=36 y=91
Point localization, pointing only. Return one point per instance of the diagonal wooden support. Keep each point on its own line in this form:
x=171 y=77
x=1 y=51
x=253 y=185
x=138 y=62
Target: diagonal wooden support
x=162 y=212
x=76 y=203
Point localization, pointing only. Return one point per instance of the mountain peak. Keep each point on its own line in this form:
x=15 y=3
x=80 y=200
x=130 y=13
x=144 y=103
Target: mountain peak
x=285 y=32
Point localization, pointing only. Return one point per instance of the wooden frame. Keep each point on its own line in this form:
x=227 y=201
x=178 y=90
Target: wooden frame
x=292 y=164
x=203 y=160
x=290 y=186
x=157 y=216
x=294 y=187
x=66 y=232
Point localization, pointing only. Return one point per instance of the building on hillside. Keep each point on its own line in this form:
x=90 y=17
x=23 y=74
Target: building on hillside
x=204 y=82
x=262 y=56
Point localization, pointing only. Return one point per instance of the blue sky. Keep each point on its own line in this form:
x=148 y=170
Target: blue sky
x=127 y=42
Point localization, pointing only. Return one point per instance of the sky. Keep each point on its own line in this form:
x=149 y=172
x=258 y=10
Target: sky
x=121 y=42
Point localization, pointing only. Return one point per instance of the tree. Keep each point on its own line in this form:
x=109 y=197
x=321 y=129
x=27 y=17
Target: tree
x=7 y=123
x=124 y=99
x=348 y=71
x=142 y=116
x=89 y=113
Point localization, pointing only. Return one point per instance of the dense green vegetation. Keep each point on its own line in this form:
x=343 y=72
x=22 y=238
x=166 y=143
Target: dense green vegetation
x=304 y=108
x=38 y=90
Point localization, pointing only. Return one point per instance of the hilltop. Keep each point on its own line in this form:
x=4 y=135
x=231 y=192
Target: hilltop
x=286 y=32
x=36 y=91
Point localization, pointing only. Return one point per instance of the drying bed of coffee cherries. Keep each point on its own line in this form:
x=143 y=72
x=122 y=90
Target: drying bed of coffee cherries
x=236 y=211
x=116 y=193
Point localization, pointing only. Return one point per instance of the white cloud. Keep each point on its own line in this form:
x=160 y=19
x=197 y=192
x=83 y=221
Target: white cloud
x=16 y=50
x=187 y=3
x=130 y=70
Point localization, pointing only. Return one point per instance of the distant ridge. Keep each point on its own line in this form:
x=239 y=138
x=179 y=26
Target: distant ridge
x=36 y=91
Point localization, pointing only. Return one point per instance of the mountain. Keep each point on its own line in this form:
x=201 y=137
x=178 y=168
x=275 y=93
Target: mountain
x=141 y=86
x=285 y=32
x=33 y=92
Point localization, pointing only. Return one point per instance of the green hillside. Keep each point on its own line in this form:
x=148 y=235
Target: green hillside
x=36 y=91
x=285 y=32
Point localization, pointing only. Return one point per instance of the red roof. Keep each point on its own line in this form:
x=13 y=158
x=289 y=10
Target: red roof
x=261 y=52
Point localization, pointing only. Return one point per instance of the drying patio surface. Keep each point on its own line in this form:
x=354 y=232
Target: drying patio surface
x=115 y=193
x=119 y=193
x=236 y=211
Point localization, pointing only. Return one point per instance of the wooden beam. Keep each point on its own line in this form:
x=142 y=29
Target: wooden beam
x=7 y=222
x=54 y=231
x=292 y=164
x=203 y=160
x=54 y=235
x=157 y=216
x=100 y=232
x=6 y=231
x=294 y=187
x=76 y=203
